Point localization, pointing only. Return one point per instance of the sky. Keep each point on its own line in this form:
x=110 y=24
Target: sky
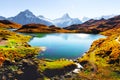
x=56 y=8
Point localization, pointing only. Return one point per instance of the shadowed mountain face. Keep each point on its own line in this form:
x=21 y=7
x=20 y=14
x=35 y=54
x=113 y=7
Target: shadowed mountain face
x=96 y=26
x=2 y=18
x=8 y=24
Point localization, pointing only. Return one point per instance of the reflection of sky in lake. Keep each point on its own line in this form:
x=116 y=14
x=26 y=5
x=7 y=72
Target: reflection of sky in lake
x=64 y=45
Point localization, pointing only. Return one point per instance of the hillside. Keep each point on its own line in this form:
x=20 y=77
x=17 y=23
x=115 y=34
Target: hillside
x=9 y=24
x=102 y=61
x=96 y=26
x=33 y=28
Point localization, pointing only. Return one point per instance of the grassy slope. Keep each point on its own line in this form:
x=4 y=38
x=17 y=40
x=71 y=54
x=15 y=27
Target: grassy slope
x=102 y=61
x=9 y=24
x=58 y=64
x=15 y=46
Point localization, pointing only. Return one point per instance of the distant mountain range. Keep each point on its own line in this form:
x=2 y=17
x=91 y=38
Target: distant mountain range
x=84 y=19
x=90 y=26
x=96 y=26
x=27 y=17
x=2 y=18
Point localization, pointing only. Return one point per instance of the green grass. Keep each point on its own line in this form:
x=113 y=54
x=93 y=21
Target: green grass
x=13 y=68
x=40 y=35
x=3 y=46
x=15 y=46
x=115 y=75
x=54 y=65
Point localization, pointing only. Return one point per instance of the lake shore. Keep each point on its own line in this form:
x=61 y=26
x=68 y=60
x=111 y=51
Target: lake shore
x=18 y=59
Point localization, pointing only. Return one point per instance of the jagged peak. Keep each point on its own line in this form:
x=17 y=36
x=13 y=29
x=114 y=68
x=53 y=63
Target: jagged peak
x=27 y=11
x=66 y=15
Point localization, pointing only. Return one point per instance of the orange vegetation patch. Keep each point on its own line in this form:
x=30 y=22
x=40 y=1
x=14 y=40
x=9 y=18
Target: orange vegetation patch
x=42 y=28
x=9 y=24
x=2 y=59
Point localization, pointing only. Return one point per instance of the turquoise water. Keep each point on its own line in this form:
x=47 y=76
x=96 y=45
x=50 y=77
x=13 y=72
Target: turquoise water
x=59 y=45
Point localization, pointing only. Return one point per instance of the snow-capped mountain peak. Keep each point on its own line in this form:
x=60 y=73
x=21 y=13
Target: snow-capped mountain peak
x=66 y=20
x=65 y=16
x=27 y=14
x=84 y=19
x=27 y=11
x=105 y=17
x=26 y=17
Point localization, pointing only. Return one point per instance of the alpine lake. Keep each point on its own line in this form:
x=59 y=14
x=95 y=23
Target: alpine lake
x=63 y=45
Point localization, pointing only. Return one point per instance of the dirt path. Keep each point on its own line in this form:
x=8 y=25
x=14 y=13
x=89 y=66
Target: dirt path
x=3 y=42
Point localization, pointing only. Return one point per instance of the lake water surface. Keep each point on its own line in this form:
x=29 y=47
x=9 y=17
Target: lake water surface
x=59 y=45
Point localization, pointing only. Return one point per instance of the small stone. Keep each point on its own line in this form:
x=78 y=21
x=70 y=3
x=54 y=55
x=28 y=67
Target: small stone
x=20 y=72
x=10 y=75
x=4 y=77
x=76 y=71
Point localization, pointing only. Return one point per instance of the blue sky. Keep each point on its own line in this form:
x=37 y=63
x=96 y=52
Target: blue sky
x=56 y=8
